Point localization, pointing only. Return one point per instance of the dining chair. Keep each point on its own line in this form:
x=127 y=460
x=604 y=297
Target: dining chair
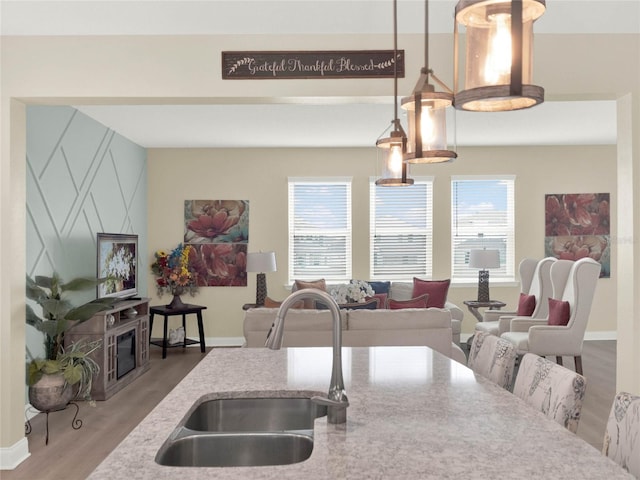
x=622 y=435
x=493 y=358
x=562 y=332
x=553 y=389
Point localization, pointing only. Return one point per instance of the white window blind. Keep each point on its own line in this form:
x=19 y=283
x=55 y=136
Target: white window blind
x=319 y=229
x=482 y=216
x=401 y=227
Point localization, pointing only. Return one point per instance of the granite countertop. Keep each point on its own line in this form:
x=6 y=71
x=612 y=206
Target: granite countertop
x=413 y=414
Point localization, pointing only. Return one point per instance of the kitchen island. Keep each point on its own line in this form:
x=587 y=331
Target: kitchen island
x=413 y=413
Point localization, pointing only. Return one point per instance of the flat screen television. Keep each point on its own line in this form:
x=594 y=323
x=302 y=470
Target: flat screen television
x=118 y=260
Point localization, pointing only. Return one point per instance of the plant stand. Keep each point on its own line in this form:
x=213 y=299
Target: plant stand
x=76 y=423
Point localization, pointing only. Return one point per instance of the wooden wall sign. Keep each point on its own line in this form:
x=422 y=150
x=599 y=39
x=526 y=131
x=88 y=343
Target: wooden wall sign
x=329 y=64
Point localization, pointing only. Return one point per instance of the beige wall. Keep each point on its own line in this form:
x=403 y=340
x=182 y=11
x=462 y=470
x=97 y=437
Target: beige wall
x=70 y=70
x=262 y=179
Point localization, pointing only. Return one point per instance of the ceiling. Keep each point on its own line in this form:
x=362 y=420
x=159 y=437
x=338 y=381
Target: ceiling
x=341 y=123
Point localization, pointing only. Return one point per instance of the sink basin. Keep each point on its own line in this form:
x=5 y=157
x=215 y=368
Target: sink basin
x=236 y=450
x=255 y=415
x=243 y=432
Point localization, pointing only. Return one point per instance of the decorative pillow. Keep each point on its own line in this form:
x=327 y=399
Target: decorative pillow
x=526 y=305
x=320 y=284
x=382 y=299
x=559 y=312
x=380 y=287
x=417 y=302
x=370 y=304
x=437 y=290
x=269 y=303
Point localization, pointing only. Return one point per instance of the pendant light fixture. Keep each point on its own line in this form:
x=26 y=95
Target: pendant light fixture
x=499 y=55
x=392 y=148
x=426 y=112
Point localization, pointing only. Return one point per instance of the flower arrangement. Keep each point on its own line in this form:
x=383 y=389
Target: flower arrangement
x=175 y=274
x=118 y=266
x=356 y=291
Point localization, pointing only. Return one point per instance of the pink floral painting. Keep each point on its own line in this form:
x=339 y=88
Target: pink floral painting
x=577 y=226
x=219 y=264
x=216 y=221
x=218 y=231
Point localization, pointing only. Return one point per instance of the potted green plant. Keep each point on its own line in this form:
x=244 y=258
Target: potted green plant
x=68 y=372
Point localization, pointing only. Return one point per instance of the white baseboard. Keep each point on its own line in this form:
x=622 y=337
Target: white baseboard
x=11 y=457
x=600 y=335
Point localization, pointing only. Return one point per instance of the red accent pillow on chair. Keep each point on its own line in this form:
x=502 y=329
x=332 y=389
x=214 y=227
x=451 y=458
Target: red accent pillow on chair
x=526 y=305
x=559 y=312
x=436 y=289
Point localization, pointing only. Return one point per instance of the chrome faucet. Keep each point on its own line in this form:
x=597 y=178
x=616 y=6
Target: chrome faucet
x=336 y=401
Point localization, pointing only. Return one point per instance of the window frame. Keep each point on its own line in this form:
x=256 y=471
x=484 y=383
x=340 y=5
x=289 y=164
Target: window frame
x=505 y=275
x=346 y=231
x=427 y=231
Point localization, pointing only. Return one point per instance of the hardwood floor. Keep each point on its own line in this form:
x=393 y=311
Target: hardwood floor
x=73 y=454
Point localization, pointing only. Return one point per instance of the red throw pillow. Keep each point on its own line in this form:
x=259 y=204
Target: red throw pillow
x=436 y=289
x=559 y=312
x=417 y=302
x=526 y=305
x=382 y=299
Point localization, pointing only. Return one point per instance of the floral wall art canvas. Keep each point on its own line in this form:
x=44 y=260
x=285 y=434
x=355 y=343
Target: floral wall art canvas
x=577 y=226
x=218 y=231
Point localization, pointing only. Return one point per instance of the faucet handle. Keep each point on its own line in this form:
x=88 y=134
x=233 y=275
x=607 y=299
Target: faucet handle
x=344 y=403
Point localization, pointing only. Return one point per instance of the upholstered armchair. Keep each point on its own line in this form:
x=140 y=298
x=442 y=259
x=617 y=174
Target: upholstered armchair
x=562 y=332
x=535 y=280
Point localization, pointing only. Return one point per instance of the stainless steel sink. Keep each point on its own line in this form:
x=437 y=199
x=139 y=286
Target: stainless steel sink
x=255 y=415
x=245 y=431
x=237 y=450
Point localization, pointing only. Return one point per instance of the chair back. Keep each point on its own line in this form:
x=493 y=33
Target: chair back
x=554 y=390
x=526 y=269
x=493 y=358
x=559 y=276
x=579 y=290
x=622 y=436
x=541 y=286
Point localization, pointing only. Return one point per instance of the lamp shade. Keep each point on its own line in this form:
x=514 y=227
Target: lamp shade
x=498 y=61
x=261 y=262
x=484 y=258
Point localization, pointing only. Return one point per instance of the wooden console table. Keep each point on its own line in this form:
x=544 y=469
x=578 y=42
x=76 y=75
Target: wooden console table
x=167 y=312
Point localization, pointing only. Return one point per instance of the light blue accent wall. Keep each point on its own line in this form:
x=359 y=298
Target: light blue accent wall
x=82 y=178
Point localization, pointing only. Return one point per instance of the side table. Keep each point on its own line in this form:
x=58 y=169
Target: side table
x=167 y=312
x=474 y=305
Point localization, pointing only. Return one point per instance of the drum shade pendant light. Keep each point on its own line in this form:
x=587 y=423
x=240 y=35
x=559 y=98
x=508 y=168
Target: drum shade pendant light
x=498 y=58
x=392 y=148
x=426 y=112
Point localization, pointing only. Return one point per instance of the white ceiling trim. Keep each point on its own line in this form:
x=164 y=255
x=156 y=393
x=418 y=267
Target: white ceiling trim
x=347 y=125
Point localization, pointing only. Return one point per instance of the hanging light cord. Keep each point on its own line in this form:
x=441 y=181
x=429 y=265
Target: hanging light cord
x=426 y=36
x=396 y=122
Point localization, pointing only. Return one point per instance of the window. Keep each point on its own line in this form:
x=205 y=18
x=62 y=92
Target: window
x=401 y=228
x=320 y=229
x=482 y=216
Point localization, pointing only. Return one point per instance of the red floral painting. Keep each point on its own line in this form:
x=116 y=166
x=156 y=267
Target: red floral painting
x=219 y=264
x=216 y=221
x=577 y=226
x=218 y=232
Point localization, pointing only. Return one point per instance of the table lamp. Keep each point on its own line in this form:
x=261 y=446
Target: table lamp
x=261 y=262
x=484 y=259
